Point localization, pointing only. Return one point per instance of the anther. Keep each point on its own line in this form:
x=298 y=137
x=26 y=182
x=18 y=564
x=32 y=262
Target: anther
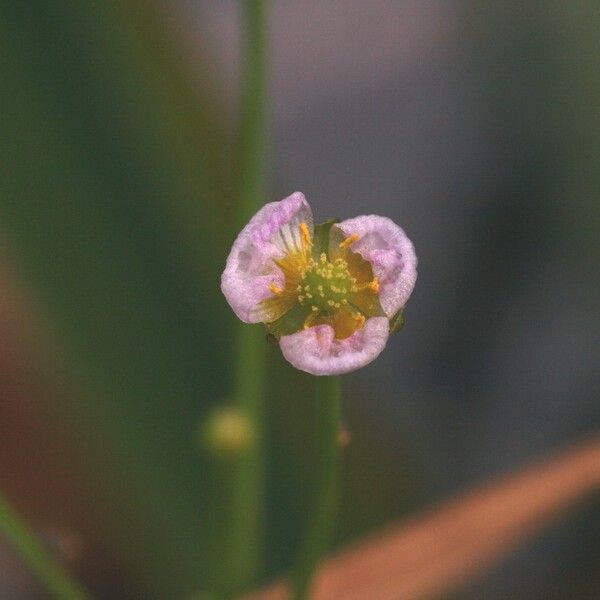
x=350 y=240
x=374 y=285
x=305 y=234
x=360 y=319
x=275 y=288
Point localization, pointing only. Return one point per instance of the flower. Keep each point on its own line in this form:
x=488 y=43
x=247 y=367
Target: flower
x=331 y=293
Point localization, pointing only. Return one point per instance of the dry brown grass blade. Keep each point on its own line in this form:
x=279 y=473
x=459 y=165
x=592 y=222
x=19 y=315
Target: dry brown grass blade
x=436 y=552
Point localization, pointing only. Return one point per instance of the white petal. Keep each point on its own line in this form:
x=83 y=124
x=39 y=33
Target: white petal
x=250 y=269
x=316 y=351
x=391 y=254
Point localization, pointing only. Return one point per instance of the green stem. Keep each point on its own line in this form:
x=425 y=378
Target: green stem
x=249 y=391
x=322 y=522
x=252 y=139
x=50 y=574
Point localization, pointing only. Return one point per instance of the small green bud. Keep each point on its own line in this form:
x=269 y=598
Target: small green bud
x=226 y=432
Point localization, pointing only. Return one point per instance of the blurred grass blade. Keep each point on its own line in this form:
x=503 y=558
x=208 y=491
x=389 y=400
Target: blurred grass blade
x=51 y=575
x=247 y=518
x=116 y=177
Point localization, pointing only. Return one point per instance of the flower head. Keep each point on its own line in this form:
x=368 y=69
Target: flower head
x=329 y=292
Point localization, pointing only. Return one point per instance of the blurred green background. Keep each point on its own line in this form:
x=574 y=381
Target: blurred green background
x=473 y=125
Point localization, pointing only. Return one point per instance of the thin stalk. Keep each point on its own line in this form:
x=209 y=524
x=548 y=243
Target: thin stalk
x=327 y=485
x=249 y=377
x=253 y=135
x=54 y=578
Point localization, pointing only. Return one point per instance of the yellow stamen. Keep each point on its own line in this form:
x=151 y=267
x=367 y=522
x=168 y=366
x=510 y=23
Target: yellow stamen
x=305 y=234
x=360 y=320
x=350 y=240
x=374 y=285
x=275 y=288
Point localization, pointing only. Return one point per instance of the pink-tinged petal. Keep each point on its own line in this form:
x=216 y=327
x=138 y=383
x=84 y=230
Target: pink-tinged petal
x=317 y=351
x=391 y=254
x=250 y=269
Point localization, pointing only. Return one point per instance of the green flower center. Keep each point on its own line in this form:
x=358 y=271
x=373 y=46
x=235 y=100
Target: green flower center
x=325 y=286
